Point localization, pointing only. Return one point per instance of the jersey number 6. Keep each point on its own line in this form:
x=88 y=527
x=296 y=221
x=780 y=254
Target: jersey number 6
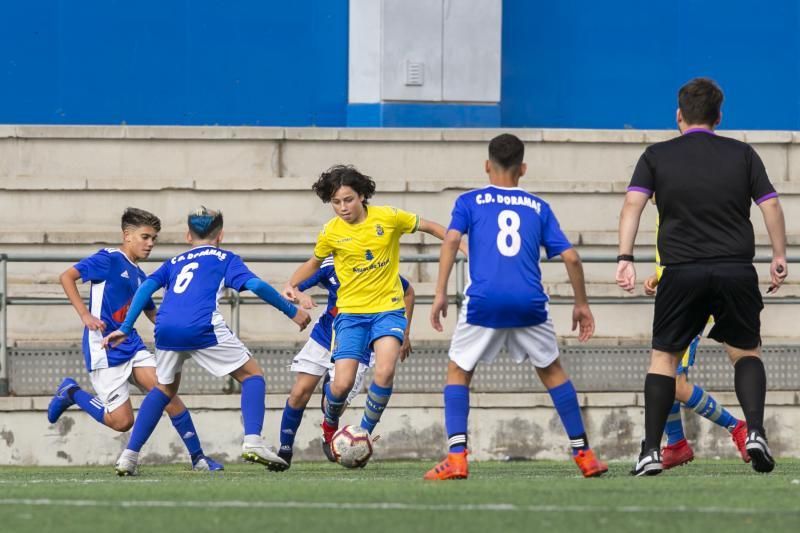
x=184 y=278
x=508 y=222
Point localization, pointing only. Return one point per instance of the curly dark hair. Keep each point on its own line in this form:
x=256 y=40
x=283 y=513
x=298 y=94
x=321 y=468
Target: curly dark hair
x=338 y=176
x=137 y=218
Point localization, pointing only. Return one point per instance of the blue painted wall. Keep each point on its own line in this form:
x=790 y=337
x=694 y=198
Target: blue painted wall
x=589 y=64
x=566 y=63
x=258 y=62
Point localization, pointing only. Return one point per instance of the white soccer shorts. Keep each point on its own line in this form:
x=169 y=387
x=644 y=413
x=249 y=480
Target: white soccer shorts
x=220 y=360
x=112 y=384
x=315 y=359
x=473 y=344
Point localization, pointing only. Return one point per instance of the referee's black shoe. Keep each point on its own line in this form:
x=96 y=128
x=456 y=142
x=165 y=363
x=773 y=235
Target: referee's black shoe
x=756 y=445
x=649 y=463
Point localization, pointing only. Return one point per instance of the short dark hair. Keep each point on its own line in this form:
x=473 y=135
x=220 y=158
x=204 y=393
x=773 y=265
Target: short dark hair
x=204 y=223
x=700 y=101
x=339 y=176
x=137 y=218
x=507 y=151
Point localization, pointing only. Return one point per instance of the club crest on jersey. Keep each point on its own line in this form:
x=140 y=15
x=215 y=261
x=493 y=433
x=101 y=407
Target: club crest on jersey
x=379 y=230
x=369 y=255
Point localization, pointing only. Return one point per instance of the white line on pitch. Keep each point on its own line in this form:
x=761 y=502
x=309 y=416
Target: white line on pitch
x=389 y=506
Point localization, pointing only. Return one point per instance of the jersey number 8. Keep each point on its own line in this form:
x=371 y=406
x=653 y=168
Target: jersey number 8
x=184 y=278
x=508 y=222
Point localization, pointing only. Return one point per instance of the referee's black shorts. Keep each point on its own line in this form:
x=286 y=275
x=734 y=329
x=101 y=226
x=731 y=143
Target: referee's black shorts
x=688 y=294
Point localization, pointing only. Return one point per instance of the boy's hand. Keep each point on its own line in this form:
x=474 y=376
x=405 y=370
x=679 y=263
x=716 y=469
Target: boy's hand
x=304 y=300
x=302 y=318
x=405 y=349
x=650 y=285
x=438 y=310
x=626 y=275
x=290 y=293
x=92 y=322
x=114 y=339
x=582 y=315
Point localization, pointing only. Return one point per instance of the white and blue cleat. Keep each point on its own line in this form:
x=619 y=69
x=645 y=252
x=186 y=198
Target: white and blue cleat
x=61 y=400
x=204 y=463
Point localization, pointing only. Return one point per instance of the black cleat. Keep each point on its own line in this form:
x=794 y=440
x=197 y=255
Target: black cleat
x=284 y=453
x=756 y=445
x=649 y=463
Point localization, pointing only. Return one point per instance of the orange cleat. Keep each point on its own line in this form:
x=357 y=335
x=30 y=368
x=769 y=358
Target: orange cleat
x=678 y=454
x=739 y=436
x=453 y=467
x=589 y=464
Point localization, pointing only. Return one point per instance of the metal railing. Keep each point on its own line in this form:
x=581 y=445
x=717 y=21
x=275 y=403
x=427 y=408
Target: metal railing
x=235 y=301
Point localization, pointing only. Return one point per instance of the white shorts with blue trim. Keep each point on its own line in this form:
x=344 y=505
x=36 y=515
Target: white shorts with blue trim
x=220 y=359
x=473 y=344
x=112 y=384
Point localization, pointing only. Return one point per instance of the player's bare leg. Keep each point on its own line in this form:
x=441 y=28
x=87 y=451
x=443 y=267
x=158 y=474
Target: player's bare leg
x=565 y=400
x=455 y=465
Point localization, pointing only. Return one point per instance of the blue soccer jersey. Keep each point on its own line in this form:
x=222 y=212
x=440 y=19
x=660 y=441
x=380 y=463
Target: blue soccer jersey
x=506 y=228
x=114 y=279
x=325 y=277
x=189 y=317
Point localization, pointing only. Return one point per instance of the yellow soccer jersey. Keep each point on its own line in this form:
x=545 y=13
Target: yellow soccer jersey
x=366 y=257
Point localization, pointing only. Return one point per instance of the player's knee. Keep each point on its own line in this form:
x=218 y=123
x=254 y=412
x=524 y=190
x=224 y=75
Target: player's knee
x=384 y=374
x=120 y=423
x=298 y=398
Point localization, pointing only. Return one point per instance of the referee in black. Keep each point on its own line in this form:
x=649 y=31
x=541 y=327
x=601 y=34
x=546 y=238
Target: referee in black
x=704 y=185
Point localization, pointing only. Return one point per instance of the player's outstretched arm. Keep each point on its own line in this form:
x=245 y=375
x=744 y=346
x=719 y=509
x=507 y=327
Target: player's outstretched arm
x=581 y=314
x=303 y=272
x=409 y=299
x=447 y=257
x=437 y=230
x=266 y=292
x=628 y=227
x=140 y=300
x=772 y=212
x=69 y=281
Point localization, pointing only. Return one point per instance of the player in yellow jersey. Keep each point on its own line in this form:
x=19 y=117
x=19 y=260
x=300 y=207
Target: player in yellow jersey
x=365 y=243
x=677 y=451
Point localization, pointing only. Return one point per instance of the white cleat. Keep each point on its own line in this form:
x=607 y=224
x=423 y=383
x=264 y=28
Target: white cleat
x=258 y=453
x=127 y=464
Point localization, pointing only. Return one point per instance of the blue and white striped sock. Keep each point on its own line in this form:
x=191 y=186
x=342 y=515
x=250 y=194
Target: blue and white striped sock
x=706 y=406
x=674 y=427
x=377 y=399
x=90 y=404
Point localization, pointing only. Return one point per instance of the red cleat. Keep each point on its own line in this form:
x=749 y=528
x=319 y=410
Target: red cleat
x=677 y=454
x=589 y=464
x=454 y=466
x=327 y=437
x=739 y=436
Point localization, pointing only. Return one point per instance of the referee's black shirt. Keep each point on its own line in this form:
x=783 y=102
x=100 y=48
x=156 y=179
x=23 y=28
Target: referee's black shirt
x=703 y=185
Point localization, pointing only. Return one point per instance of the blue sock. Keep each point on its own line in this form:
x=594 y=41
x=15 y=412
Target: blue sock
x=185 y=427
x=565 y=400
x=377 y=399
x=289 y=423
x=334 y=407
x=90 y=404
x=456 y=413
x=674 y=427
x=253 y=390
x=706 y=406
x=150 y=412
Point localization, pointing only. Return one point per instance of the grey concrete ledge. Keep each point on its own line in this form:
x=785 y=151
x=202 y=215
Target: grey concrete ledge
x=478 y=400
x=622 y=136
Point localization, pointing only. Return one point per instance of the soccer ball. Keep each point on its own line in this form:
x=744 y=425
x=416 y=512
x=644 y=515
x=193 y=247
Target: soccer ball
x=352 y=446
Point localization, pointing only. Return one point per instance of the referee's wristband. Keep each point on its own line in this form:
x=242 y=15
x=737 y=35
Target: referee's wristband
x=624 y=257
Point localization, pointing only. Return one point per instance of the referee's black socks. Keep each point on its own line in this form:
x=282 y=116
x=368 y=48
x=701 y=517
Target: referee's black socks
x=659 y=395
x=750 y=380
